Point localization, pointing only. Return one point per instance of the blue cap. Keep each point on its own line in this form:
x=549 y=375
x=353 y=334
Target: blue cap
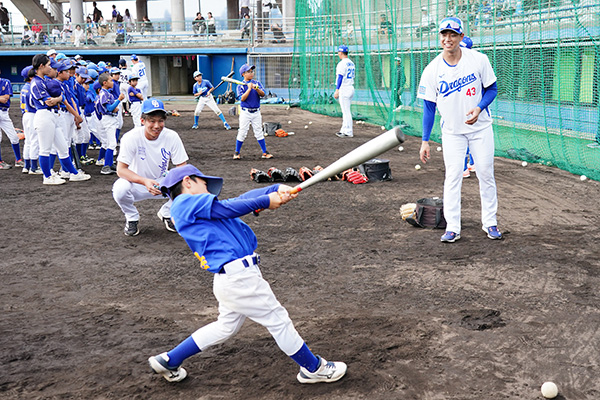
x=97 y=86
x=102 y=64
x=466 y=42
x=82 y=62
x=245 y=68
x=63 y=67
x=197 y=73
x=176 y=175
x=151 y=105
x=132 y=75
x=25 y=72
x=451 y=24
x=93 y=73
x=342 y=48
x=115 y=70
x=134 y=57
x=54 y=88
x=54 y=64
x=82 y=71
x=60 y=56
x=122 y=61
x=93 y=66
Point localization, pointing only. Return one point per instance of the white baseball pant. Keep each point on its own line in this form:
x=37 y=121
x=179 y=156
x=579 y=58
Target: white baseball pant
x=127 y=193
x=7 y=126
x=82 y=135
x=136 y=113
x=481 y=144
x=247 y=119
x=50 y=136
x=31 y=149
x=94 y=125
x=245 y=294
x=109 y=131
x=67 y=122
x=346 y=94
x=143 y=87
x=207 y=101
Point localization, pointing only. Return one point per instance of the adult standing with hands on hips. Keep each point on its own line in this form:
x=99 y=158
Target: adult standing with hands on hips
x=462 y=84
x=344 y=89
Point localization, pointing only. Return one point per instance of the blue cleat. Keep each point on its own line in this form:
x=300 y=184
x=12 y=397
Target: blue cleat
x=492 y=232
x=195 y=126
x=450 y=237
x=226 y=125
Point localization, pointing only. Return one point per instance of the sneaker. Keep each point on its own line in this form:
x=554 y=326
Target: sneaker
x=108 y=170
x=100 y=162
x=472 y=167
x=64 y=174
x=226 y=125
x=167 y=221
x=53 y=180
x=267 y=155
x=237 y=156
x=79 y=177
x=25 y=170
x=36 y=171
x=328 y=371
x=160 y=365
x=450 y=237
x=492 y=232
x=19 y=163
x=131 y=228
x=85 y=160
x=5 y=165
x=194 y=126
x=466 y=173
x=343 y=135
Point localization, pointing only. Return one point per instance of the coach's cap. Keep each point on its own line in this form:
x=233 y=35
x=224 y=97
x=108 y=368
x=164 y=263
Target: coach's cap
x=122 y=62
x=134 y=57
x=245 y=68
x=451 y=24
x=82 y=72
x=466 y=42
x=197 y=73
x=115 y=70
x=423 y=8
x=25 y=71
x=93 y=73
x=78 y=57
x=176 y=175
x=152 y=105
x=342 y=48
x=50 y=52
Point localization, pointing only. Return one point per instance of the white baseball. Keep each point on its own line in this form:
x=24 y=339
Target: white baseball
x=310 y=122
x=305 y=126
x=524 y=163
x=439 y=148
x=582 y=178
x=400 y=148
x=382 y=128
x=549 y=390
x=289 y=122
x=417 y=167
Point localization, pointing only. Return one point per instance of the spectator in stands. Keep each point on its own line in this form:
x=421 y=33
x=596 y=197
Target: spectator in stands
x=244 y=10
x=385 y=26
x=212 y=28
x=129 y=26
x=146 y=25
x=36 y=28
x=349 y=32
x=4 y=18
x=78 y=36
x=55 y=33
x=28 y=38
x=89 y=38
x=66 y=32
x=120 y=38
x=102 y=27
x=97 y=14
x=199 y=24
x=246 y=26
x=427 y=23
x=278 y=35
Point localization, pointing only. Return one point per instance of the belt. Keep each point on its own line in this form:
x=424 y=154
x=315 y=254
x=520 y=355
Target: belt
x=251 y=110
x=54 y=110
x=235 y=266
x=4 y=109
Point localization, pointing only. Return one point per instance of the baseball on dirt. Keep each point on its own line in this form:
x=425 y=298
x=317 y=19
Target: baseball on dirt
x=524 y=163
x=439 y=148
x=582 y=178
x=400 y=148
x=382 y=128
x=417 y=167
x=310 y=122
x=289 y=122
x=549 y=390
x=305 y=126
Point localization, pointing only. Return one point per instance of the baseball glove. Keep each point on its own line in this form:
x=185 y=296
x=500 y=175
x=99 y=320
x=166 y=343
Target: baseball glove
x=305 y=173
x=356 y=177
x=344 y=175
x=276 y=174
x=291 y=175
x=259 y=176
x=280 y=133
x=20 y=133
x=408 y=210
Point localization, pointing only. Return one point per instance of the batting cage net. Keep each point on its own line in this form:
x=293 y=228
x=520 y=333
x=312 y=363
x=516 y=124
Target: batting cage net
x=545 y=54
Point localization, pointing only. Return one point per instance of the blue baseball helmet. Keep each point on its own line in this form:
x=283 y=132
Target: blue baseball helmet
x=466 y=42
x=342 y=48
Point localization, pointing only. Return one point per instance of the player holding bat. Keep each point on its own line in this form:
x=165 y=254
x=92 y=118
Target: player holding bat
x=203 y=93
x=226 y=246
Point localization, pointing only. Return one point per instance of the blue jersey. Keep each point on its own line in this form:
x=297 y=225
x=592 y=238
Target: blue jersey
x=5 y=88
x=90 y=99
x=40 y=93
x=69 y=96
x=80 y=93
x=202 y=88
x=132 y=92
x=253 y=99
x=105 y=98
x=26 y=104
x=212 y=229
x=116 y=89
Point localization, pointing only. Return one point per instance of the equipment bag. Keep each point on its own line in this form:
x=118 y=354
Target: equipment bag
x=429 y=213
x=269 y=128
x=376 y=170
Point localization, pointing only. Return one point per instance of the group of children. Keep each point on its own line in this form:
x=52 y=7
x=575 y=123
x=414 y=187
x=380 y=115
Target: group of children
x=67 y=106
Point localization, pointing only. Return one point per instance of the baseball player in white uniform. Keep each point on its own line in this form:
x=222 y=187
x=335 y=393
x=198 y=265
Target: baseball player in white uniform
x=344 y=91
x=139 y=69
x=462 y=84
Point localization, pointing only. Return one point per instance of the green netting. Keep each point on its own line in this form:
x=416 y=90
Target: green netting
x=545 y=54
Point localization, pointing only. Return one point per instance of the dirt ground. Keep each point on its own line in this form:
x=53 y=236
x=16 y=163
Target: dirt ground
x=84 y=306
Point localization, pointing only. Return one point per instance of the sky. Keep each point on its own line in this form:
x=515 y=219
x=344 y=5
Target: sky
x=157 y=9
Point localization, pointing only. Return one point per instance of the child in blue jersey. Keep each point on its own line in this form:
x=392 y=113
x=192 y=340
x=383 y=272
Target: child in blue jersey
x=136 y=98
x=6 y=124
x=249 y=95
x=31 y=149
x=203 y=90
x=115 y=74
x=107 y=105
x=226 y=246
